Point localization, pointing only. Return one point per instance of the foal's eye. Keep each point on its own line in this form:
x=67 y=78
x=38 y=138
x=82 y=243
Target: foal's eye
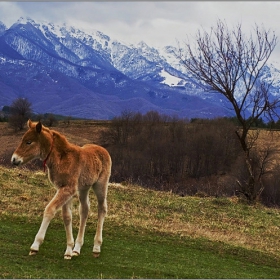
x=28 y=142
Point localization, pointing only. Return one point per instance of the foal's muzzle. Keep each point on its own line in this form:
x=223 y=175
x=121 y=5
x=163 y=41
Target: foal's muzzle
x=16 y=160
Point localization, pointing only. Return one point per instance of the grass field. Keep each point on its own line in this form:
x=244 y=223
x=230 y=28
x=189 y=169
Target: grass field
x=147 y=234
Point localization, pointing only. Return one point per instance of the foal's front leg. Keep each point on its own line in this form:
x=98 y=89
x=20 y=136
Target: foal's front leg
x=62 y=196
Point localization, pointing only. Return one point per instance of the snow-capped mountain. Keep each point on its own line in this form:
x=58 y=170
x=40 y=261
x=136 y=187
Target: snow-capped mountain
x=64 y=70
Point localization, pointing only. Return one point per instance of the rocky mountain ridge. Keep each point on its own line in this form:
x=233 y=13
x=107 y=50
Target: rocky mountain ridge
x=67 y=71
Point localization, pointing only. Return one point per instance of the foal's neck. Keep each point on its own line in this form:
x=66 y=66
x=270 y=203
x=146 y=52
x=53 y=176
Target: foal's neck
x=61 y=144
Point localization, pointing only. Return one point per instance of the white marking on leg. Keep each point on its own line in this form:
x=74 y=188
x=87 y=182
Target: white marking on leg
x=75 y=253
x=96 y=249
x=40 y=236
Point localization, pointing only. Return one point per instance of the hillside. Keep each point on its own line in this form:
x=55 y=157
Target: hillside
x=216 y=219
x=147 y=234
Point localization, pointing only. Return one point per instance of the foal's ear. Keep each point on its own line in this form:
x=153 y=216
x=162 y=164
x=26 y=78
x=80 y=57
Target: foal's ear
x=38 y=127
x=29 y=123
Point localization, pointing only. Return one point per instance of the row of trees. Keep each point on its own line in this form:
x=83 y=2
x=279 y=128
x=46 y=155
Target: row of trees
x=21 y=110
x=188 y=158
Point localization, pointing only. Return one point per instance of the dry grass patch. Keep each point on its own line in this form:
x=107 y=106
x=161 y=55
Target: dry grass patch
x=217 y=219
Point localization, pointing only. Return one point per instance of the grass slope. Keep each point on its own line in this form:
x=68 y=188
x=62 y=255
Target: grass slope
x=147 y=234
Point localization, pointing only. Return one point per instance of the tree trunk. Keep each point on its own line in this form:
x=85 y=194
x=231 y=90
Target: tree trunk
x=248 y=189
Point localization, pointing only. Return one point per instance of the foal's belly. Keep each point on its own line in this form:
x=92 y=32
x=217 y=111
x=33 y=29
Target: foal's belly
x=86 y=180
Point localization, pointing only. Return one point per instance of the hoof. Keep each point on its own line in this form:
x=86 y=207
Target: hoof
x=67 y=257
x=96 y=255
x=33 y=252
x=75 y=254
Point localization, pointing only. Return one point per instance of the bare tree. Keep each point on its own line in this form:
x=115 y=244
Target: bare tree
x=228 y=62
x=20 y=113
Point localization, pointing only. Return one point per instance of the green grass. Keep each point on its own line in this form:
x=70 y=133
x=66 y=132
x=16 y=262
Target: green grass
x=127 y=253
x=147 y=234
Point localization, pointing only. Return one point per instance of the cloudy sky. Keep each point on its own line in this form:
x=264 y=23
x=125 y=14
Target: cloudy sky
x=158 y=23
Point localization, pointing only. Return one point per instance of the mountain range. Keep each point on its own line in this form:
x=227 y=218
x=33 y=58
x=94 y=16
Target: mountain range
x=64 y=70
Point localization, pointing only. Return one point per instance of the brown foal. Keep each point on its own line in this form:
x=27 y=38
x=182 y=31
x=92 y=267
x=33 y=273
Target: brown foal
x=71 y=169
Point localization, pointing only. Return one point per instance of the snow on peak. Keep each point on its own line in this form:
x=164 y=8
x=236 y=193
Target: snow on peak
x=169 y=79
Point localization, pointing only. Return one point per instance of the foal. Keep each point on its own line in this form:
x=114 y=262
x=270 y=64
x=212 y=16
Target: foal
x=71 y=169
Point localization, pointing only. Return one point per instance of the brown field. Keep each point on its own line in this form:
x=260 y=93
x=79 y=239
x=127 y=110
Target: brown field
x=84 y=132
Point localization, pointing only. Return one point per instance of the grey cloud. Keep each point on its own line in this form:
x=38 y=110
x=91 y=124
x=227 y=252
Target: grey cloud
x=155 y=22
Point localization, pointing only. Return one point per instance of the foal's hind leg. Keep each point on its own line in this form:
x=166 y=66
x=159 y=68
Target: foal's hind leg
x=100 y=190
x=67 y=219
x=83 y=208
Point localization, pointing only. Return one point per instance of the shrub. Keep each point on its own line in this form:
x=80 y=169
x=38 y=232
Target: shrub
x=171 y=154
x=20 y=112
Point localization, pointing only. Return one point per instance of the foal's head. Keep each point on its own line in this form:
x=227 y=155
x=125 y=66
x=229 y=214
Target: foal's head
x=34 y=144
